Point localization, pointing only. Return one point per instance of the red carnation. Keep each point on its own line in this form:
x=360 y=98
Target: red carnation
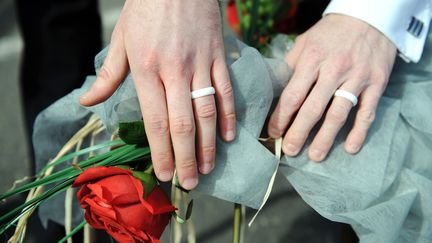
x=113 y=200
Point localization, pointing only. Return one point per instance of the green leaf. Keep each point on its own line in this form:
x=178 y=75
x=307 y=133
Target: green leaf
x=108 y=158
x=82 y=152
x=149 y=181
x=133 y=132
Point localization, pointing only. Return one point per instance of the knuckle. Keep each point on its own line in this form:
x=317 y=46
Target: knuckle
x=162 y=158
x=314 y=53
x=343 y=60
x=229 y=117
x=366 y=116
x=362 y=72
x=206 y=111
x=277 y=122
x=186 y=164
x=149 y=62
x=380 y=79
x=314 y=110
x=226 y=91
x=208 y=151
x=182 y=125
x=295 y=136
x=293 y=99
x=105 y=73
x=338 y=114
x=157 y=125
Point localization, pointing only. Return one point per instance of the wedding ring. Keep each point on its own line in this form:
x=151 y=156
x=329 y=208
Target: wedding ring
x=347 y=95
x=203 y=92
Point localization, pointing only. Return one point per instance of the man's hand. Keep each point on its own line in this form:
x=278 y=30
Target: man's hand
x=172 y=48
x=339 y=52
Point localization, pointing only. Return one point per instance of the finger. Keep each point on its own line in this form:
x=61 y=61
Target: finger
x=309 y=114
x=205 y=122
x=292 y=97
x=224 y=99
x=294 y=54
x=364 y=118
x=335 y=118
x=111 y=74
x=182 y=128
x=151 y=95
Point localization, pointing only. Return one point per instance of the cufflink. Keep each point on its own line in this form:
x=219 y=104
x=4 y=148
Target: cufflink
x=415 y=27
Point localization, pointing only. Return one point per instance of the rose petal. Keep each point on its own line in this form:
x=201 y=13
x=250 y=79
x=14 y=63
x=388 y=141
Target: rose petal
x=118 y=231
x=140 y=218
x=92 y=220
x=141 y=235
x=160 y=202
x=140 y=190
x=97 y=173
x=100 y=209
x=82 y=192
x=126 y=199
x=117 y=185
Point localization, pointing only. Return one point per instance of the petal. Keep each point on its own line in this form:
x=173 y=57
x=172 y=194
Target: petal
x=97 y=173
x=118 y=185
x=100 y=208
x=118 y=231
x=159 y=201
x=133 y=215
x=140 y=235
x=138 y=217
x=125 y=199
x=92 y=220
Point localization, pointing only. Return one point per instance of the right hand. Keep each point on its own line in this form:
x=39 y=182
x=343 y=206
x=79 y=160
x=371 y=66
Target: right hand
x=172 y=48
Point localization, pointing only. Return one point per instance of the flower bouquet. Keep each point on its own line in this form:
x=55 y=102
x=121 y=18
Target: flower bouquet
x=118 y=189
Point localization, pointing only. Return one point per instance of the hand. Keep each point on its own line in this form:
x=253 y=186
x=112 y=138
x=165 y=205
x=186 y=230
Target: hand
x=338 y=52
x=172 y=48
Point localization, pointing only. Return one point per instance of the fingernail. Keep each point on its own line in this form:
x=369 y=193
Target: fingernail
x=84 y=96
x=206 y=168
x=165 y=175
x=353 y=148
x=230 y=130
x=189 y=183
x=229 y=135
x=291 y=149
x=317 y=155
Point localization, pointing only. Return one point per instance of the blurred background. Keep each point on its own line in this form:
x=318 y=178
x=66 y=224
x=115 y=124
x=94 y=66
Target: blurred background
x=50 y=46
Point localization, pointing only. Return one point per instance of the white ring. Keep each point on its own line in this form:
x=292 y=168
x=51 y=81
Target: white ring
x=347 y=95
x=203 y=92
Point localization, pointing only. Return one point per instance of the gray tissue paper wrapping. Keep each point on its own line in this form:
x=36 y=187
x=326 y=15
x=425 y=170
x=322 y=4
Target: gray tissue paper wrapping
x=384 y=192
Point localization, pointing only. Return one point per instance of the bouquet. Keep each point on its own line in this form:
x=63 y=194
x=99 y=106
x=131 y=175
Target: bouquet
x=117 y=188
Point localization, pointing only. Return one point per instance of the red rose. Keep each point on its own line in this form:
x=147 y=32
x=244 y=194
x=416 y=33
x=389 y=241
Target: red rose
x=113 y=200
x=232 y=17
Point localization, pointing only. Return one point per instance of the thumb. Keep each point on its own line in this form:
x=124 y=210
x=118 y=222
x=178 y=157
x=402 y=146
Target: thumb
x=111 y=74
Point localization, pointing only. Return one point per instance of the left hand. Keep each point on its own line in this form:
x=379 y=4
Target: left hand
x=338 y=52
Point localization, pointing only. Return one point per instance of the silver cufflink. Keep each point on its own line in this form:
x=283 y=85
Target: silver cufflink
x=415 y=27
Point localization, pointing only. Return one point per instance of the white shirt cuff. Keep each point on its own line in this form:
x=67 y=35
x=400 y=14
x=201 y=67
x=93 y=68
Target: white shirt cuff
x=404 y=22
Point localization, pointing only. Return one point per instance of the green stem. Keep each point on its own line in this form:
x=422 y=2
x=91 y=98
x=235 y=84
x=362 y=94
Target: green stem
x=74 y=231
x=237 y=223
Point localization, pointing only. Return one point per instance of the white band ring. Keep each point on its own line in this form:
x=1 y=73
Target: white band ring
x=347 y=95
x=203 y=92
